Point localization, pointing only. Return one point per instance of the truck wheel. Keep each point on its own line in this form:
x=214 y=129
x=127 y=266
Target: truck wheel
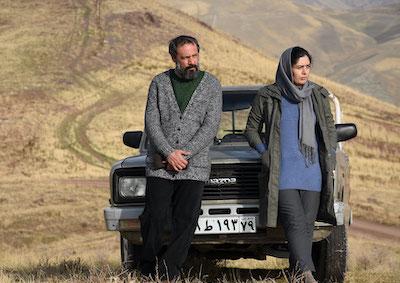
x=130 y=255
x=330 y=256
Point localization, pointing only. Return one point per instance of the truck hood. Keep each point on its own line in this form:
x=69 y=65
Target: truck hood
x=219 y=154
x=233 y=153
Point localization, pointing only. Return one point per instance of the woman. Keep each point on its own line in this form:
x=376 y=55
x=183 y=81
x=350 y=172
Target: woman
x=298 y=155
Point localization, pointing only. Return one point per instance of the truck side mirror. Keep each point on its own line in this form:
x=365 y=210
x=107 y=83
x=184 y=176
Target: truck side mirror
x=345 y=131
x=132 y=138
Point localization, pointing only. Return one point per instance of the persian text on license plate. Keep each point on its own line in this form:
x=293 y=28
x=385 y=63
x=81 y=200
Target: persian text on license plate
x=225 y=225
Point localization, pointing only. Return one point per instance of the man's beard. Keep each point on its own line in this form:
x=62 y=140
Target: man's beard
x=187 y=73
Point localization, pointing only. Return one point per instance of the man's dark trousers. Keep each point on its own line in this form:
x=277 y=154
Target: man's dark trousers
x=180 y=199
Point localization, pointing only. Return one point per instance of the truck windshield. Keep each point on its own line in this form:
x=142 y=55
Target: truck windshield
x=236 y=107
x=233 y=124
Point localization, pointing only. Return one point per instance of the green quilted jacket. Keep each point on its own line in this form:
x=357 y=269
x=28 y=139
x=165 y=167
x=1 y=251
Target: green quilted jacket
x=266 y=111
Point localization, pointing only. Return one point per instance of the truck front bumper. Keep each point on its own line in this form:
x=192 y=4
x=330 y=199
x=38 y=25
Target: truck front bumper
x=126 y=221
x=118 y=218
x=127 y=218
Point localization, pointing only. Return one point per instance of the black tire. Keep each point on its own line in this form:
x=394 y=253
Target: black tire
x=130 y=255
x=330 y=256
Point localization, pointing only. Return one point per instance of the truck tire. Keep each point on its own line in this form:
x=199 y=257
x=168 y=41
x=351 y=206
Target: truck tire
x=330 y=256
x=130 y=255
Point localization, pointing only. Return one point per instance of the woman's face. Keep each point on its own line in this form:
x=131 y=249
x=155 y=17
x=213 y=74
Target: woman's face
x=301 y=71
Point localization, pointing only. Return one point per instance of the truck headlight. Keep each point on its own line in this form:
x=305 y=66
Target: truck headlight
x=130 y=187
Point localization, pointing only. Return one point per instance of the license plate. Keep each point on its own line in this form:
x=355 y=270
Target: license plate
x=226 y=225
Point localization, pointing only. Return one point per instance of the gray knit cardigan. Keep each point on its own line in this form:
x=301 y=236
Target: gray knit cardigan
x=167 y=128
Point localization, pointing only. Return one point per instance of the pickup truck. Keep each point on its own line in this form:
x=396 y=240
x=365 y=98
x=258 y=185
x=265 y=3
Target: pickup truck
x=229 y=225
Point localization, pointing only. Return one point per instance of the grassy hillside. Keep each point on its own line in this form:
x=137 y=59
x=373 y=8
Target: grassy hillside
x=75 y=76
x=275 y=25
x=347 y=4
x=375 y=69
x=350 y=46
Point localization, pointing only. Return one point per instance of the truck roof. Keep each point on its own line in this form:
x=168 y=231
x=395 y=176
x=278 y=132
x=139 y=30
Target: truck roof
x=238 y=97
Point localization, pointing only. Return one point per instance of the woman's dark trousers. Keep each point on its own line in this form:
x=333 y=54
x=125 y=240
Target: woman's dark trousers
x=166 y=199
x=297 y=213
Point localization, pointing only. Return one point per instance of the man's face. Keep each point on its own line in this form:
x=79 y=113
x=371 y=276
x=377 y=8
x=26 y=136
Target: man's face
x=301 y=71
x=187 y=60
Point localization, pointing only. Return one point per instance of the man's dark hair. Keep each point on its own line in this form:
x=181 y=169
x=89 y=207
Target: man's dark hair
x=297 y=53
x=179 y=41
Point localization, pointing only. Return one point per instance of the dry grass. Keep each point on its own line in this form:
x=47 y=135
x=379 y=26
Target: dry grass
x=373 y=261
x=57 y=235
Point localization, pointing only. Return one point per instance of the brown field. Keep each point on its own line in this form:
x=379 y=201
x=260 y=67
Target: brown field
x=74 y=78
x=58 y=236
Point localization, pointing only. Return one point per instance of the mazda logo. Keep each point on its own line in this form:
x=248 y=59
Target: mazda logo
x=221 y=181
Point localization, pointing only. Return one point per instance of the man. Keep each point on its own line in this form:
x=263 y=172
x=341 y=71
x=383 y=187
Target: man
x=182 y=117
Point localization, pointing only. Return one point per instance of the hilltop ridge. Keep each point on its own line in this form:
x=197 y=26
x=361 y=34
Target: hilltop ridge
x=353 y=42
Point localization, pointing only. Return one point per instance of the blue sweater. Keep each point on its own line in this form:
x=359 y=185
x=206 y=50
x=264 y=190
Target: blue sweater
x=293 y=171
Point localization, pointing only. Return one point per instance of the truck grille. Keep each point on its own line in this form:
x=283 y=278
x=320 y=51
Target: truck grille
x=231 y=181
